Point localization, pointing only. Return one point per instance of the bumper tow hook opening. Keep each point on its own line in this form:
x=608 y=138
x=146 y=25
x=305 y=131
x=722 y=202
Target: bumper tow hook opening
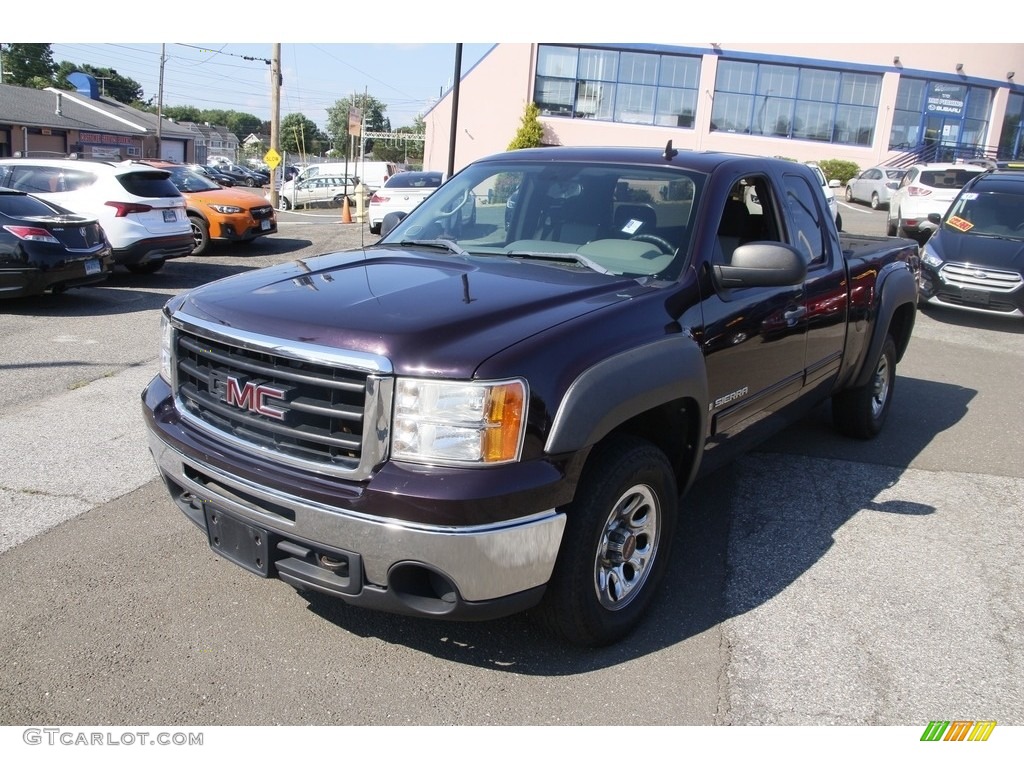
x=331 y=564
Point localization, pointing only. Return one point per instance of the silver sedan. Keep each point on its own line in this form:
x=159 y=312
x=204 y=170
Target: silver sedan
x=874 y=186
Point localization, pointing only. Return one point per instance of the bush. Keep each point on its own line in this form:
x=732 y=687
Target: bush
x=844 y=170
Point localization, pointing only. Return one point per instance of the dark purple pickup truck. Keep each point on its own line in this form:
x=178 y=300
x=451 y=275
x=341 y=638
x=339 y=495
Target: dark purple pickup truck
x=479 y=415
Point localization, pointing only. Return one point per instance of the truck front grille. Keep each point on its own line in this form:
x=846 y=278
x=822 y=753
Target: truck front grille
x=305 y=413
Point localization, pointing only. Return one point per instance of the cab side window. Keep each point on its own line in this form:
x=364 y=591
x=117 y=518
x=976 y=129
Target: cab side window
x=802 y=205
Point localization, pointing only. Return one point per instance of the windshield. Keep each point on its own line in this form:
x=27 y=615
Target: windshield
x=615 y=219
x=994 y=214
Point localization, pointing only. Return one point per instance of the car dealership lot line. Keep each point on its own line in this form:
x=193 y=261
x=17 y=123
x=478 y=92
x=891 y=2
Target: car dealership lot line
x=821 y=580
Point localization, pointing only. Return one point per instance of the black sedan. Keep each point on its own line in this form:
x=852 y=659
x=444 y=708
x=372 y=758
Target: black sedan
x=244 y=176
x=46 y=247
x=213 y=174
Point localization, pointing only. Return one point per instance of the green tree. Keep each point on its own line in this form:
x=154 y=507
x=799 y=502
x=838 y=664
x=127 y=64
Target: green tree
x=28 y=64
x=401 y=150
x=337 y=120
x=531 y=132
x=301 y=135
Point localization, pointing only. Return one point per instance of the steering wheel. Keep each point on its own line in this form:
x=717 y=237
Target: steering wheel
x=665 y=245
x=458 y=205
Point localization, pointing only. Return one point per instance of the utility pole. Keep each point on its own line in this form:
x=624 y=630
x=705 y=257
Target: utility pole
x=160 y=104
x=275 y=115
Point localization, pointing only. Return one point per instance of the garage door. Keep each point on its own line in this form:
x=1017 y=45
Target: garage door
x=171 y=150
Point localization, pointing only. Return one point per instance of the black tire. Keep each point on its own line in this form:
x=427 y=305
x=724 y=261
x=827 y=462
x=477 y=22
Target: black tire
x=849 y=194
x=200 y=233
x=285 y=204
x=146 y=268
x=616 y=544
x=861 y=412
x=890 y=228
x=875 y=202
x=250 y=182
x=375 y=229
x=839 y=222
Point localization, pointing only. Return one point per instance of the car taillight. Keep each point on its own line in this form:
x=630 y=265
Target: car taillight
x=123 y=209
x=32 y=233
x=378 y=198
x=918 y=191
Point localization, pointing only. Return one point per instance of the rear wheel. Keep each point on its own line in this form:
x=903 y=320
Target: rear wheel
x=861 y=412
x=875 y=203
x=200 y=234
x=892 y=227
x=285 y=203
x=616 y=544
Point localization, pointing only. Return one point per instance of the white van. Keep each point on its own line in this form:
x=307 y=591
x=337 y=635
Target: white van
x=372 y=173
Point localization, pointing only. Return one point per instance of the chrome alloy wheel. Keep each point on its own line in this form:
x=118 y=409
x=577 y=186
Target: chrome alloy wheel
x=628 y=546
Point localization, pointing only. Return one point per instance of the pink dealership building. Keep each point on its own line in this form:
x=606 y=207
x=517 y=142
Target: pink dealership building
x=871 y=103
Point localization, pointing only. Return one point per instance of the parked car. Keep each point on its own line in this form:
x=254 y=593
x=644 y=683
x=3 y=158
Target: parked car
x=45 y=247
x=141 y=211
x=928 y=188
x=316 y=191
x=244 y=176
x=975 y=259
x=217 y=213
x=401 y=193
x=874 y=186
x=212 y=173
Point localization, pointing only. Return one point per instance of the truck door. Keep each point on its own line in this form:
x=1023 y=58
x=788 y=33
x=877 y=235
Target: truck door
x=825 y=303
x=754 y=337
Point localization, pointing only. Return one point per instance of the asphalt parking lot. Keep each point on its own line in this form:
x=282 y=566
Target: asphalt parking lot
x=818 y=580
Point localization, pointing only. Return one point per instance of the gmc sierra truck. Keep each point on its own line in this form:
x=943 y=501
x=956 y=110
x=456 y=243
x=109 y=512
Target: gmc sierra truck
x=469 y=419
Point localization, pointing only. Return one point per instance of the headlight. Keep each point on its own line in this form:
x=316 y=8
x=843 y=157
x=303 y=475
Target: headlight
x=227 y=208
x=166 y=346
x=929 y=257
x=462 y=423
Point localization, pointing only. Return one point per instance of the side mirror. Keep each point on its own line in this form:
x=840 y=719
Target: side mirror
x=834 y=183
x=390 y=221
x=762 y=264
x=935 y=218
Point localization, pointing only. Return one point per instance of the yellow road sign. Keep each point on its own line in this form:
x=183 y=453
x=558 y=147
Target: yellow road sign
x=272 y=158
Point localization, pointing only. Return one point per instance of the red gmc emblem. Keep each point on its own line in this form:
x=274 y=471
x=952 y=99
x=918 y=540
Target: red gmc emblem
x=253 y=397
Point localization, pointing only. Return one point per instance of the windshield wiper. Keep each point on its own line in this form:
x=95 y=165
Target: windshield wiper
x=571 y=258
x=449 y=245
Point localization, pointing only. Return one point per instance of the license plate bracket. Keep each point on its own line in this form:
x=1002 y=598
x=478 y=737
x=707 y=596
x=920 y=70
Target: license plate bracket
x=265 y=224
x=243 y=544
x=170 y=215
x=974 y=296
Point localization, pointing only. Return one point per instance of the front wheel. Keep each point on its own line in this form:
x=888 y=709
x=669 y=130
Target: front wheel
x=200 y=234
x=849 y=194
x=250 y=182
x=616 y=544
x=861 y=412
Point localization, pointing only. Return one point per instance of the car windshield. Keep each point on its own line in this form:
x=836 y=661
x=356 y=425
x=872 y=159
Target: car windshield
x=616 y=219
x=991 y=214
x=187 y=180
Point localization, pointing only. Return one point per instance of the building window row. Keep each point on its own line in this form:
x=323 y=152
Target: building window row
x=619 y=86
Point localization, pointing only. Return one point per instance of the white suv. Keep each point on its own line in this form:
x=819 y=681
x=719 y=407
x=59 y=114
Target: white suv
x=141 y=211
x=927 y=188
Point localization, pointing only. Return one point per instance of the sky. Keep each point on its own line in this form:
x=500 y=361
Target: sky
x=407 y=77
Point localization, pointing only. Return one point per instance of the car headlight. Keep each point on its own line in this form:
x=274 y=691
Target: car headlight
x=929 y=257
x=460 y=423
x=227 y=208
x=166 y=347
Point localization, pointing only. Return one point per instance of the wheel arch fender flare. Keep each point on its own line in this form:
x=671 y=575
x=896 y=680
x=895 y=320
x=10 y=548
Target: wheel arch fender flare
x=897 y=287
x=625 y=385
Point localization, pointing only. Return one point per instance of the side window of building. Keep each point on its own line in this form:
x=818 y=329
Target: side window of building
x=805 y=215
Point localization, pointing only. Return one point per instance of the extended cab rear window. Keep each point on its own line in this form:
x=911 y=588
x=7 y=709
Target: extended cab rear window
x=149 y=184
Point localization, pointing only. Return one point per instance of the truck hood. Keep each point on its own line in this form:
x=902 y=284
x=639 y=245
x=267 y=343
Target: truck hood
x=429 y=313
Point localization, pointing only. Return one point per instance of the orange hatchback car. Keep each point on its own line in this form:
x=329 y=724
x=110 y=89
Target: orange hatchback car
x=219 y=213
